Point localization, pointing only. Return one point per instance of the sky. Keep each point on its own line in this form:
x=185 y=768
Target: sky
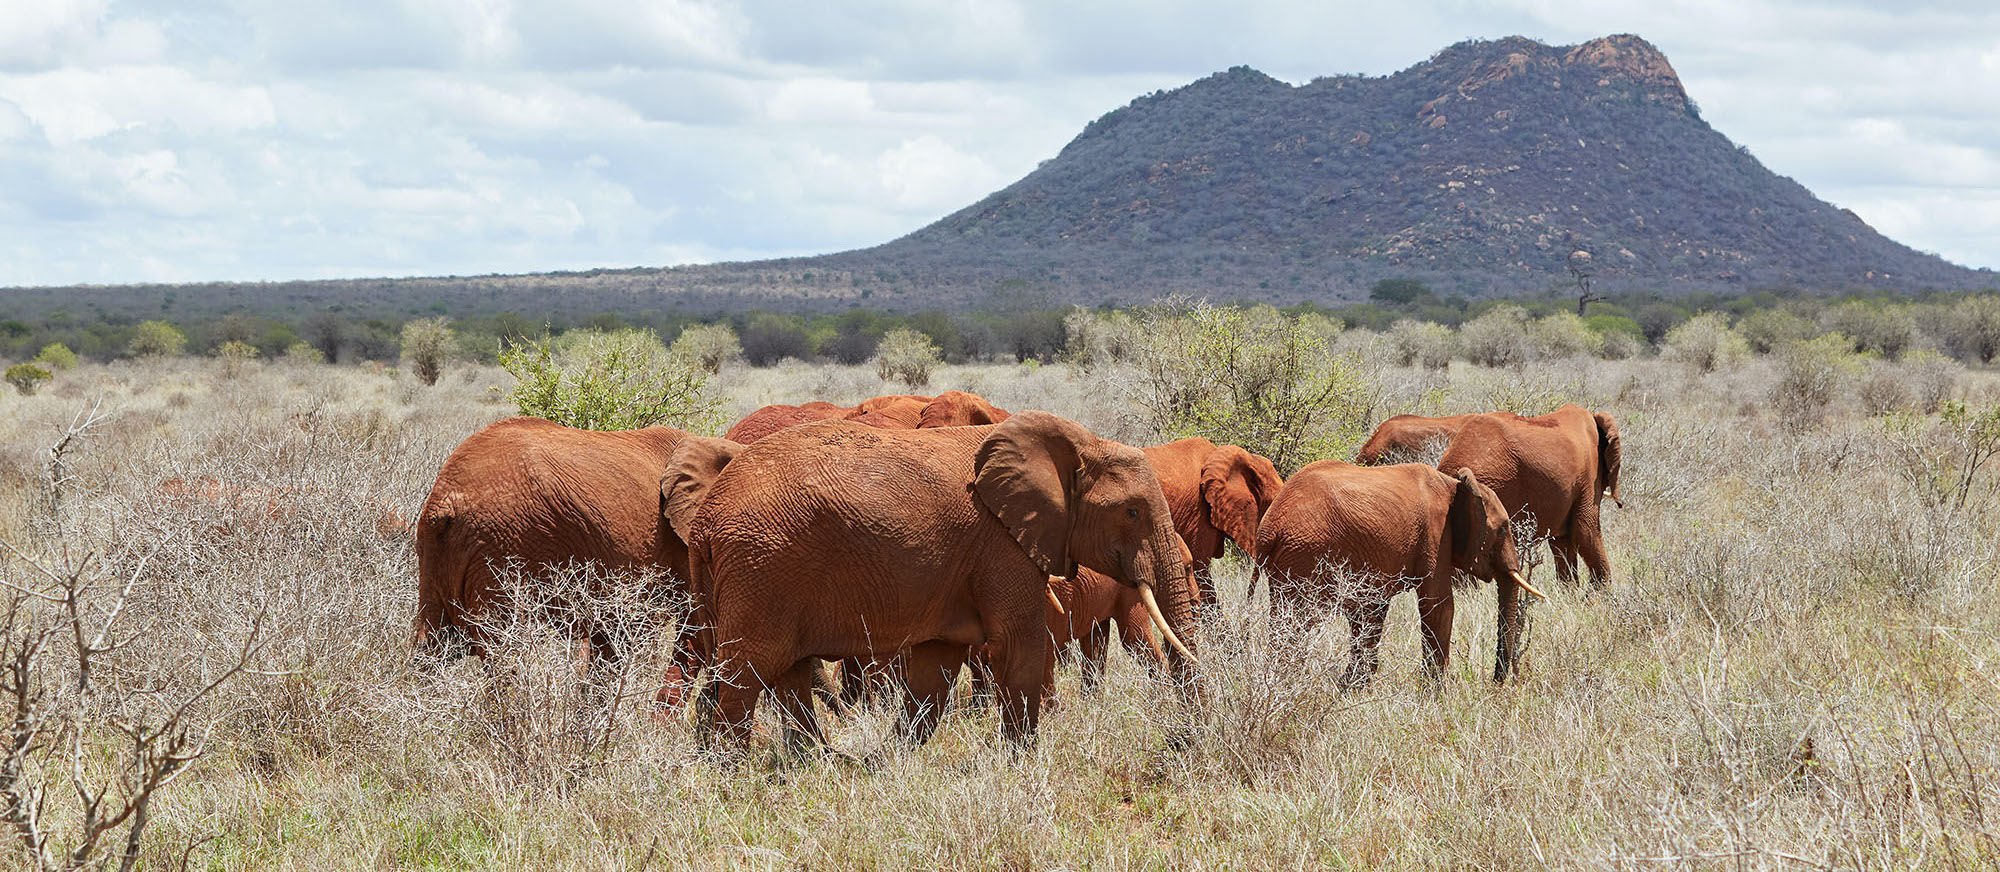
x=154 y=141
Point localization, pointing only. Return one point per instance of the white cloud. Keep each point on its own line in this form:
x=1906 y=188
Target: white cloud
x=926 y=175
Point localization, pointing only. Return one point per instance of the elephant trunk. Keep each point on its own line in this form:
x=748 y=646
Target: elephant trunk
x=1512 y=613
x=1167 y=587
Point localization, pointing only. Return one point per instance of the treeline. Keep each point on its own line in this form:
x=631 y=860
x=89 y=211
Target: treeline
x=1021 y=326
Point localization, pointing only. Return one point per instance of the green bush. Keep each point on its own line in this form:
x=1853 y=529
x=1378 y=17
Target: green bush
x=56 y=356
x=1706 y=343
x=1092 y=339
x=157 y=339
x=1249 y=377
x=426 y=344
x=26 y=377
x=1976 y=334
x=303 y=354
x=1767 y=330
x=1883 y=329
x=1563 y=334
x=235 y=354
x=611 y=381
x=906 y=356
x=710 y=345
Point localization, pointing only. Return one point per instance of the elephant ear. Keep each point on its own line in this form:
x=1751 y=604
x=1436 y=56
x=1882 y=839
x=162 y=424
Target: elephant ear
x=1610 y=458
x=1026 y=474
x=959 y=409
x=691 y=469
x=1467 y=520
x=1238 y=486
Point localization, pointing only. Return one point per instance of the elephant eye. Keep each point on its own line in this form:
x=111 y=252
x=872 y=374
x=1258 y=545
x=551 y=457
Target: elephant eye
x=1132 y=513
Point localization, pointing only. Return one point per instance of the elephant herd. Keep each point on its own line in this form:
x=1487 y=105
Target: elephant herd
x=911 y=537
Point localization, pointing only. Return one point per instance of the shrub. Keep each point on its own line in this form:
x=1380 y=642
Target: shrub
x=1886 y=330
x=1706 y=343
x=1767 y=330
x=1497 y=338
x=1885 y=391
x=1249 y=377
x=1933 y=377
x=770 y=338
x=906 y=356
x=1811 y=373
x=235 y=354
x=1563 y=334
x=610 y=381
x=710 y=345
x=157 y=339
x=426 y=344
x=303 y=354
x=27 y=377
x=1422 y=343
x=1619 y=345
x=1093 y=339
x=56 y=356
x=1976 y=335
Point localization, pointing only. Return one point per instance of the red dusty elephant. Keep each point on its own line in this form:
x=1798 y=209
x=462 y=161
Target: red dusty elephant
x=531 y=491
x=1352 y=537
x=1217 y=493
x=1404 y=438
x=1559 y=467
x=894 y=412
x=840 y=541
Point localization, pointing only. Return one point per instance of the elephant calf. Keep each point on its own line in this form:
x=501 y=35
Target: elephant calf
x=1388 y=529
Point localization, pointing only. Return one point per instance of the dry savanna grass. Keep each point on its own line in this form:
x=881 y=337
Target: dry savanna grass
x=1795 y=665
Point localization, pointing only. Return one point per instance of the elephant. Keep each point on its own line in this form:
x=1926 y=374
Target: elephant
x=836 y=540
x=535 y=492
x=1390 y=529
x=1217 y=493
x=893 y=412
x=1404 y=438
x=959 y=409
x=771 y=419
x=1559 y=467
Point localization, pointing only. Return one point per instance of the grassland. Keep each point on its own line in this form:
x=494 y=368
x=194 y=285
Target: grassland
x=1795 y=665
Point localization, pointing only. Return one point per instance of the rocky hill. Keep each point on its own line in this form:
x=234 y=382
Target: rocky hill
x=1480 y=170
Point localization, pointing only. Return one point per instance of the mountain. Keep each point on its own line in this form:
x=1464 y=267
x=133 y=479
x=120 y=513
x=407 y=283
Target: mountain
x=1480 y=171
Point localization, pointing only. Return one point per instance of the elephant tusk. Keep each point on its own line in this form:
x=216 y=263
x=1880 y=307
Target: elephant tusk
x=1153 y=608
x=1526 y=586
x=1054 y=601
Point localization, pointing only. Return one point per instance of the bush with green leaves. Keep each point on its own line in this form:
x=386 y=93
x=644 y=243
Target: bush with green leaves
x=1767 y=330
x=1706 y=343
x=1884 y=329
x=907 y=356
x=427 y=342
x=1422 y=343
x=1498 y=338
x=303 y=354
x=1563 y=334
x=1619 y=345
x=27 y=377
x=710 y=345
x=611 y=381
x=1249 y=377
x=157 y=339
x=56 y=356
x=1812 y=373
x=235 y=355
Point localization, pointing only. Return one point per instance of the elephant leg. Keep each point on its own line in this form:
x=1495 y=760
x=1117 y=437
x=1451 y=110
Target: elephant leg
x=794 y=691
x=1589 y=539
x=853 y=680
x=1095 y=645
x=1434 y=609
x=927 y=673
x=1018 y=666
x=1366 y=615
x=1563 y=549
x=735 y=688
